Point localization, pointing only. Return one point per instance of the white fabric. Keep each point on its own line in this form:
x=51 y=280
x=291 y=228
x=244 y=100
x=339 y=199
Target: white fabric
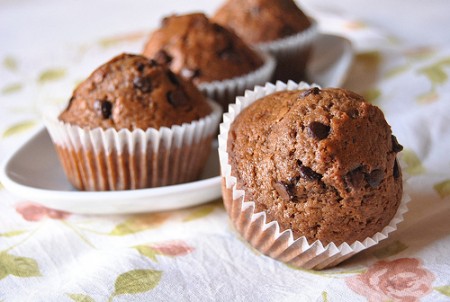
x=402 y=64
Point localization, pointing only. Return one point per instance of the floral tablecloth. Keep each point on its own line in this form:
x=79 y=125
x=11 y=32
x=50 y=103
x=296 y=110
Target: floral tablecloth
x=401 y=64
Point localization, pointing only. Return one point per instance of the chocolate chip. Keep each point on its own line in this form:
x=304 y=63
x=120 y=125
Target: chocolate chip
x=70 y=101
x=374 y=178
x=217 y=28
x=307 y=173
x=287 y=31
x=318 y=130
x=396 y=147
x=228 y=53
x=354 y=178
x=396 y=170
x=353 y=113
x=153 y=63
x=162 y=57
x=164 y=21
x=140 y=67
x=177 y=98
x=173 y=78
x=189 y=73
x=285 y=190
x=103 y=107
x=144 y=84
x=314 y=90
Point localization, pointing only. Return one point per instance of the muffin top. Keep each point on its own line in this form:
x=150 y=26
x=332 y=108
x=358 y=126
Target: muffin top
x=259 y=21
x=133 y=92
x=201 y=50
x=319 y=162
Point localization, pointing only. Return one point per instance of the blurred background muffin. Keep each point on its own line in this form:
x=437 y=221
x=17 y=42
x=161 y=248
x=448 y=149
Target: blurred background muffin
x=279 y=27
x=134 y=124
x=214 y=58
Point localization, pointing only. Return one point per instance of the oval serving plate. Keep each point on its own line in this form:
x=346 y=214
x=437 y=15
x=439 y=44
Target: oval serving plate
x=34 y=173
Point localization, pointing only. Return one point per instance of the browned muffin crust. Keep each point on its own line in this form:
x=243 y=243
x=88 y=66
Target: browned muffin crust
x=319 y=162
x=133 y=92
x=201 y=50
x=258 y=21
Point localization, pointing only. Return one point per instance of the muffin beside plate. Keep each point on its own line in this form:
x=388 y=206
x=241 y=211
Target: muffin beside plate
x=310 y=175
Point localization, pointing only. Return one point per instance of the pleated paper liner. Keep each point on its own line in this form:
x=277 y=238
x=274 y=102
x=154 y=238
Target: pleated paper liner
x=224 y=92
x=99 y=159
x=267 y=237
x=291 y=53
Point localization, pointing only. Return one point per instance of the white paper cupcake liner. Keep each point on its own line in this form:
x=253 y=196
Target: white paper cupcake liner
x=100 y=159
x=225 y=92
x=267 y=237
x=291 y=53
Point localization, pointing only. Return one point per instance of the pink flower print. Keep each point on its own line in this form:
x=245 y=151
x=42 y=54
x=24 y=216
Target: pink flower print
x=402 y=280
x=34 y=212
x=172 y=248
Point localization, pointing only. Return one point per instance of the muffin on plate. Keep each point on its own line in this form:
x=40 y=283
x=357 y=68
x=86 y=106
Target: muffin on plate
x=134 y=124
x=278 y=27
x=214 y=58
x=310 y=174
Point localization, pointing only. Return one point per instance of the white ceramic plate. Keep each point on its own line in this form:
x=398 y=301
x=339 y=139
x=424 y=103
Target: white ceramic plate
x=34 y=173
x=330 y=62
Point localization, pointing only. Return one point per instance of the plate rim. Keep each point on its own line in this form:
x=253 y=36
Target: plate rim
x=350 y=53
x=83 y=197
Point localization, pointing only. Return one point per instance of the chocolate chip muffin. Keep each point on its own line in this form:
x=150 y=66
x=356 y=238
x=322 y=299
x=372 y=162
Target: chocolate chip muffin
x=278 y=27
x=259 y=21
x=133 y=92
x=214 y=58
x=201 y=50
x=320 y=162
x=134 y=124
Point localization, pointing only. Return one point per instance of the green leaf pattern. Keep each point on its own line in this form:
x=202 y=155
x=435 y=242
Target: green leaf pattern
x=147 y=251
x=325 y=296
x=12 y=233
x=19 y=128
x=436 y=73
x=112 y=41
x=137 y=281
x=445 y=290
x=139 y=223
x=17 y=266
x=443 y=188
x=81 y=298
x=413 y=163
x=397 y=71
x=10 y=63
x=11 y=88
x=52 y=74
x=372 y=95
x=170 y=249
x=200 y=212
